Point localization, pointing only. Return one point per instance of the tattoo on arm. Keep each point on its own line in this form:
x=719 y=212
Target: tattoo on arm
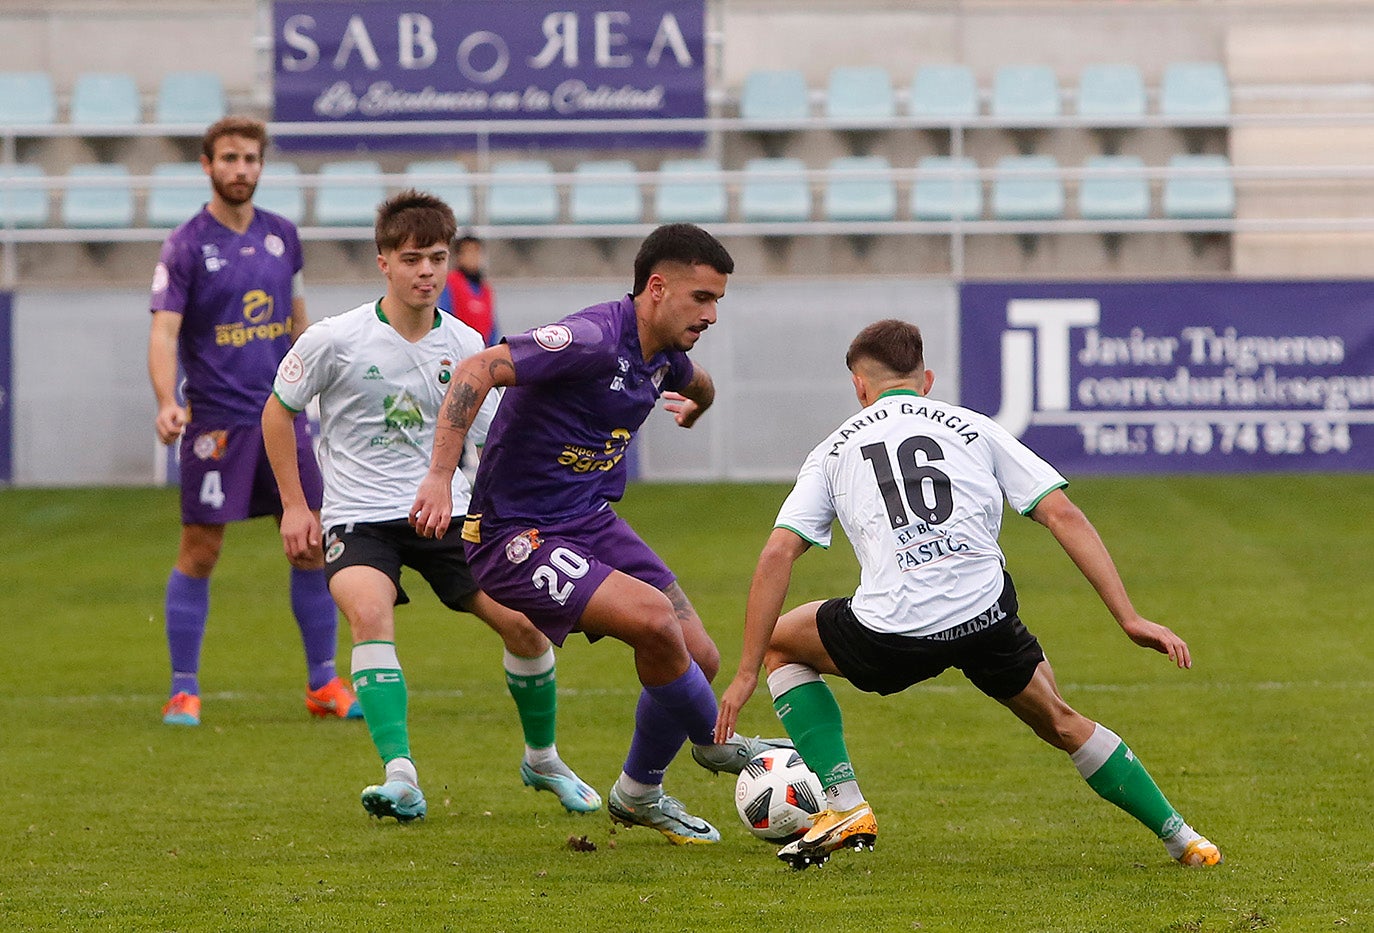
x=461 y=406
x=501 y=371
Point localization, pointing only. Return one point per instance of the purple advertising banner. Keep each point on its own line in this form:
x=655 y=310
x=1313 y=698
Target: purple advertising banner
x=1176 y=377
x=6 y=388
x=424 y=60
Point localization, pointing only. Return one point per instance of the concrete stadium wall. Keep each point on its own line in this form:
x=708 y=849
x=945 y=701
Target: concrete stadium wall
x=83 y=410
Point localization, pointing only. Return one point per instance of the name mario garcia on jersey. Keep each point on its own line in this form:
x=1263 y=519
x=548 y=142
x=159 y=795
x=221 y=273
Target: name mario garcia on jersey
x=949 y=420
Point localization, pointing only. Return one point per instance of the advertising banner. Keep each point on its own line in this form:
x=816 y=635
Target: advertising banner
x=1176 y=377
x=6 y=388
x=426 y=60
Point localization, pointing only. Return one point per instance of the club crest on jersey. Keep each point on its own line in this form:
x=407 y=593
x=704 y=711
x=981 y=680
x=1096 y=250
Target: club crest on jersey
x=659 y=375
x=553 y=337
x=519 y=548
x=211 y=445
x=445 y=371
x=274 y=245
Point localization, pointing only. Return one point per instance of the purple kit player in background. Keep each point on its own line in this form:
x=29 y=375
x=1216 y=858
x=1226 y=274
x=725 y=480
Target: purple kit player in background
x=227 y=302
x=541 y=536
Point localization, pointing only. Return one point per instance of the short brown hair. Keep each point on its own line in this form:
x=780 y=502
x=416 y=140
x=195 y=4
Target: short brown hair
x=247 y=127
x=414 y=216
x=895 y=345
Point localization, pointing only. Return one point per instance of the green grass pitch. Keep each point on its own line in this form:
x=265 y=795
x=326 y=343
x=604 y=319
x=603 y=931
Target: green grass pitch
x=113 y=821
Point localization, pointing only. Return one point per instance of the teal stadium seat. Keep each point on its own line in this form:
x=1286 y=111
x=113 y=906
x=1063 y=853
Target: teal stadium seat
x=22 y=207
x=598 y=197
x=859 y=92
x=512 y=200
x=687 y=192
x=105 y=99
x=27 y=97
x=1195 y=92
x=775 y=95
x=195 y=97
x=1025 y=188
x=944 y=92
x=106 y=205
x=940 y=192
x=1114 y=188
x=1111 y=92
x=446 y=179
x=341 y=201
x=856 y=198
x=179 y=190
x=775 y=191
x=1025 y=93
x=280 y=191
x=1199 y=196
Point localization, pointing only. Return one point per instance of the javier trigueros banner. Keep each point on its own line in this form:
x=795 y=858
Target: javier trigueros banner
x=345 y=62
x=1176 y=377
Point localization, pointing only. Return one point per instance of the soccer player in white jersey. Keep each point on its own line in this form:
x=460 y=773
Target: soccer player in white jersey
x=917 y=485
x=381 y=372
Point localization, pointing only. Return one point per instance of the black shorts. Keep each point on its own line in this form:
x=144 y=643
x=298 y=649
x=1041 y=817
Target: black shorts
x=389 y=546
x=993 y=649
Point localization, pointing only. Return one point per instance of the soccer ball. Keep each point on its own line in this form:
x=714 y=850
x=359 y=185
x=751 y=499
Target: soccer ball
x=777 y=796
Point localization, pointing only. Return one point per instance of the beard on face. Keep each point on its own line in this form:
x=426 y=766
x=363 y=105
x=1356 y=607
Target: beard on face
x=227 y=194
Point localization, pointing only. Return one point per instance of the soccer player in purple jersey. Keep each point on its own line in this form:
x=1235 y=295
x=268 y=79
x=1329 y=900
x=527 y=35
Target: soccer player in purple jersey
x=227 y=301
x=541 y=536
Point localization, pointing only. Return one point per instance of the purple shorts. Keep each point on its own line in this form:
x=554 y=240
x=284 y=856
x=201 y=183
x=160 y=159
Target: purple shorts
x=549 y=572
x=225 y=475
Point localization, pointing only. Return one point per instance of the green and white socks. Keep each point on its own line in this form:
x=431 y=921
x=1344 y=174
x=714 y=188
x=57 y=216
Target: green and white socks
x=533 y=687
x=381 y=689
x=1117 y=776
x=812 y=719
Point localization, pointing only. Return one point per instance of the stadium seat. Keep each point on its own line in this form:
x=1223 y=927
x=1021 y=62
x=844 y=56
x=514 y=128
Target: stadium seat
x=775 y=95
x=512 y=200
x=600 y=198
x=775 y=190
x=190 y=97
x=1114 y=188
x=179 y=190
x=859 y=92
x=1025 y=92
x=687 y=194
x=105 y=99
x=26 y=97
x=107 y=205
x=940 y=194
x=22 y=207
x=1200 y=196
x=858 y=198
x=280 y=191
x=341 y=201
x=1195 y=91
x=944 y=92
x=1111 y=92
x=447 y=179
x=1026 y=188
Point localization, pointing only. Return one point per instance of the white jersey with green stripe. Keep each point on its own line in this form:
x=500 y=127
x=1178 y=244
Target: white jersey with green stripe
x=379 y=397
x=918 y=485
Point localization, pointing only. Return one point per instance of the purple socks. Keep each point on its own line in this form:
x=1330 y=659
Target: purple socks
x=318 y=621
x=187 y=607
x=665 y=717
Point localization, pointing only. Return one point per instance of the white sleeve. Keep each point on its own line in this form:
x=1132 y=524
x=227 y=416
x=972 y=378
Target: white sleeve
x=306 y=368
x=1025 y=478
x=809 y=510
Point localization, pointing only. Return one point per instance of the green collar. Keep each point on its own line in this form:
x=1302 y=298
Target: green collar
x=887 y=393
x=381 y=315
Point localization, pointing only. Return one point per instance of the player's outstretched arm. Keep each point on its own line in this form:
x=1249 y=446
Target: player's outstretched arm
x=475 y=377
x=300 y=527
x=1080 y=540
x=162 y=372
x=772 y=577
x=691 y=403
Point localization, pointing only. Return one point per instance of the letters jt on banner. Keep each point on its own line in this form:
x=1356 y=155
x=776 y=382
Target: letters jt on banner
x=384 y=60
x=1176 y=377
